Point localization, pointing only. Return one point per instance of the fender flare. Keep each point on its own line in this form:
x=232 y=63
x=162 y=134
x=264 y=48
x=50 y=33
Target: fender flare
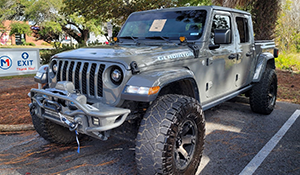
x=161 y=78
x=263 y=60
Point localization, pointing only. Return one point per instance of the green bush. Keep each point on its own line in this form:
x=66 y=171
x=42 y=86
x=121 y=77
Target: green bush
x=45 y=44
x=289 y=62
x=28 y=44
x=95 y=43
x=46 y=54
x=297 y=42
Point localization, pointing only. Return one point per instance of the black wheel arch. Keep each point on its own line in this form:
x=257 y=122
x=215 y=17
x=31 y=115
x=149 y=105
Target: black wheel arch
x=187 y=87
x=265 y=60
x=179 y=80
x=271 y=63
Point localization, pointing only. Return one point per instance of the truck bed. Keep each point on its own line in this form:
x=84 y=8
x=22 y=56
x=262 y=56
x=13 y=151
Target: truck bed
x=264 y=46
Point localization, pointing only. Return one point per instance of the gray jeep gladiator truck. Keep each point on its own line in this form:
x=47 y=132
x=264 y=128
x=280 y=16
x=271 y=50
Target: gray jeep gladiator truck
x=164 y=69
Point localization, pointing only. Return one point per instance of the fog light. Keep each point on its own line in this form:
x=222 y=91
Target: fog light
x=95 y=121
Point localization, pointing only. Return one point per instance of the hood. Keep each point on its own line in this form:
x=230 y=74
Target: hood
x=144 y=56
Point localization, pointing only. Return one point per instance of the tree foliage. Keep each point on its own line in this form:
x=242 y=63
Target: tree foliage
x=119 y=10
x=78 y=18
x=288 y=26
x=264 y=14
x=49 y=31
x=19 y=28
x=12 y=9
x=50 y=16
x=231 y=3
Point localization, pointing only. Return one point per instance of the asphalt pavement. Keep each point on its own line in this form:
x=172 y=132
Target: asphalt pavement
x=235 y=136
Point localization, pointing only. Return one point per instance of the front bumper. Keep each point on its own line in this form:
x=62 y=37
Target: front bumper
x=90 y=118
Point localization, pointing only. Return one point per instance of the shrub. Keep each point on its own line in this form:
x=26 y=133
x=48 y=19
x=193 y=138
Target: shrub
x=28 y=44
x=31 y=44
x=289 y=62
x=45 y=44
x=46 y=54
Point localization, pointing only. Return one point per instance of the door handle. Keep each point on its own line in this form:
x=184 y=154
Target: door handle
x=232 y=56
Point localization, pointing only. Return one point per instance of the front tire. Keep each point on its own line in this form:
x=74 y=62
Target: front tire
x=263 y=94
x=171 y=137
x=52 y=132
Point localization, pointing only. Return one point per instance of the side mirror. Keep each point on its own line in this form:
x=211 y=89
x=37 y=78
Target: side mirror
x=222 y=36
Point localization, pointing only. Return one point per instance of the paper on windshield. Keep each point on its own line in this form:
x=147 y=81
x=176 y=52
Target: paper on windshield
x=157 y=25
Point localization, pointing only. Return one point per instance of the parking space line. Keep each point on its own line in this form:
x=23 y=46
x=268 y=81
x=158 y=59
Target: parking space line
x=265 y=151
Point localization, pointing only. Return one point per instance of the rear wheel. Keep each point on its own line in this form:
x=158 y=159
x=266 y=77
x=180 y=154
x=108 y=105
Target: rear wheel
x=263 y=95
x=171 y=137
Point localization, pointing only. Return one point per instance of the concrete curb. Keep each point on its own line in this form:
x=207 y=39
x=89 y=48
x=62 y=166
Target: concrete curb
x=11 y=128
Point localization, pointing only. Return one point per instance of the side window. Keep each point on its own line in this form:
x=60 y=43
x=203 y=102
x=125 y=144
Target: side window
x=242 y=25
x=220 y=22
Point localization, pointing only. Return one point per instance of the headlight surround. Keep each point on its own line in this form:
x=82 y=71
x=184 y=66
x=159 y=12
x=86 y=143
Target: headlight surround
x=42 y=75
x=53 y=66
x=116 y=75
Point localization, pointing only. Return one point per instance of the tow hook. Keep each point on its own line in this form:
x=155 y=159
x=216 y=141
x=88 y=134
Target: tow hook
x=72 y=126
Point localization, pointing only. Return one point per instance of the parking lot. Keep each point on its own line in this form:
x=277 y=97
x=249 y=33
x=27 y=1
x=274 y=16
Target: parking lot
x=235 y=136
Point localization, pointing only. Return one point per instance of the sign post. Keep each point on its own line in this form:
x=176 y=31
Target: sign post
x=109 y=29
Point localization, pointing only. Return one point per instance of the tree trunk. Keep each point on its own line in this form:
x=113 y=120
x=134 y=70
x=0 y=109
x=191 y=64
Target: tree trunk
x=85 y=35
x=81 y=38
x=264 y=16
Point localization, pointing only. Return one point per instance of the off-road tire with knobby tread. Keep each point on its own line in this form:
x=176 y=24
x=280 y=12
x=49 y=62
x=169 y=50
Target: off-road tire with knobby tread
x=263 y=94
x=167 y=125
x=52 y=132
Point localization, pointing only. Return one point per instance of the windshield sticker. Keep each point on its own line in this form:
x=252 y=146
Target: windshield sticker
x=157 y=25
x=174 y=56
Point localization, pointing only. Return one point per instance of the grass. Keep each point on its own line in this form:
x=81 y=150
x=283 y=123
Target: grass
x=20 y=46
x=17 y=76
x=288 y=61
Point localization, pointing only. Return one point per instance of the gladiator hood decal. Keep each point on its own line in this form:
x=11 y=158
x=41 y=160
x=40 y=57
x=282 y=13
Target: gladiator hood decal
x=143 y=56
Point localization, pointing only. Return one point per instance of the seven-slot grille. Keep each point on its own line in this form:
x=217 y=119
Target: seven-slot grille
x=86 y=76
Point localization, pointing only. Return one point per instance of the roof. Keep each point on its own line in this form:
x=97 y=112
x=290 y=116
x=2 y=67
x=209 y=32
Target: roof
x=207 y=8
x=229 y=9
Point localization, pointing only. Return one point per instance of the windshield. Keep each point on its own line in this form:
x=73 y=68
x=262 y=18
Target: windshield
x=169 y=25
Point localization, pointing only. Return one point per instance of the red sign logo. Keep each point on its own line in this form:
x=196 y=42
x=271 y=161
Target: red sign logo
x=5 y=62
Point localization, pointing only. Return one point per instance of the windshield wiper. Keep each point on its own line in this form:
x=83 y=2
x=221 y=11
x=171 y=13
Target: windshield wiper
x=158 y=37
x=135 y=39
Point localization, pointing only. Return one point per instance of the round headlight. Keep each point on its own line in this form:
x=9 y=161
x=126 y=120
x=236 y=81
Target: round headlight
x=116 y=75
x=54 y=68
